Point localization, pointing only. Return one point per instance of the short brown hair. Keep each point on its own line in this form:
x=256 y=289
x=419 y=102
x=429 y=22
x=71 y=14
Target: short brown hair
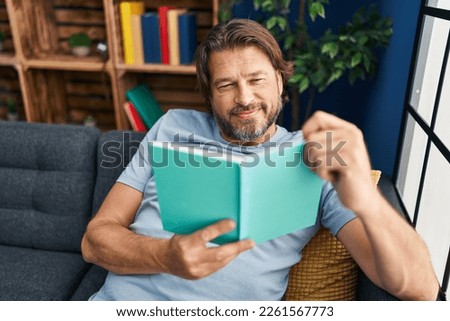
x=239 y=33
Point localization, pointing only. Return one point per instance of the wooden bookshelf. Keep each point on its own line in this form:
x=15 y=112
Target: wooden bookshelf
x=129 y=75
x=68 y=63
x=53 y=86
x=158 y=68
x=8 y=59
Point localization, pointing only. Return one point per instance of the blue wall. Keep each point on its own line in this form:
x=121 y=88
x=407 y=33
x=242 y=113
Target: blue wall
x=383 y=116
x=374 y=105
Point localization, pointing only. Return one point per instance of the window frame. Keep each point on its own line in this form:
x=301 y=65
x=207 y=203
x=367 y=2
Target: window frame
x=409 y=112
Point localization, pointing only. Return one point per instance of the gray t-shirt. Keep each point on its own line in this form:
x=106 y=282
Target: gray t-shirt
x=258 y=274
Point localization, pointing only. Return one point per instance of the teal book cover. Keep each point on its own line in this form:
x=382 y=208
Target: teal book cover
x=145 y=103
x=267 y=194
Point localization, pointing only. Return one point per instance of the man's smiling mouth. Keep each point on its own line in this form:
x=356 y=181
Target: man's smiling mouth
x=247 y=113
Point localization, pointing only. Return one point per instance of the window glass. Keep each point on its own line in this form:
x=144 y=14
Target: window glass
x=442 y=126
x=433 y=222
x=411 y=161
x=428 y=66
x=441 y=4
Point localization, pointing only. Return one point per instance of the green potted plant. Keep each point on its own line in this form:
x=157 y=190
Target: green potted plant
x=80 y=44
x=90 y=121
x=2 y=39
x=318 y=62
x=12 y=110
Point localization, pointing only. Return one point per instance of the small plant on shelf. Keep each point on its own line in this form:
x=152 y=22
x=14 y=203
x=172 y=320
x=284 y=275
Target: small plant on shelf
x=80 y=43
x=90 y=121
x=12 y=110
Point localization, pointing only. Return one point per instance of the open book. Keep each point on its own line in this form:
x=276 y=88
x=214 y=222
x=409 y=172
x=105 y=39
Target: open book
x=267 y=194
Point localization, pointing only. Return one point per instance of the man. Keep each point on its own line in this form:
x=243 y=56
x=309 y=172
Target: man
x=242 y=76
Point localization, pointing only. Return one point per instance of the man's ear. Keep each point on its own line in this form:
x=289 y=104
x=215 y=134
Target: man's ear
x=279 y=83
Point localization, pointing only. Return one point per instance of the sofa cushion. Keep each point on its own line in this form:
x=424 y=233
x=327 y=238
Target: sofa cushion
x=48 y=175
x=31 y=274
x=115 y=150
x=92 y=282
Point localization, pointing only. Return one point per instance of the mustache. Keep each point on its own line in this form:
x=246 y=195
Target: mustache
x=239 y=108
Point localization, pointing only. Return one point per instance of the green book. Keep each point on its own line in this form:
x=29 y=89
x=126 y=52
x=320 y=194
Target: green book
x=145 y=103
x=268 y=194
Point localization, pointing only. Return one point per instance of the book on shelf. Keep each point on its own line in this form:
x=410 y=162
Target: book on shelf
x=138 y=44
x=173 y=35
x=127 y=9
x=133 y=117
x=187 y=26
x=145 y=103
x=151 y=38
x=164 y=33
x=267 y=194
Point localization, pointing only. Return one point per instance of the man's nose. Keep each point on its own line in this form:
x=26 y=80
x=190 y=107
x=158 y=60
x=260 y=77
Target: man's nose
x=245 y=95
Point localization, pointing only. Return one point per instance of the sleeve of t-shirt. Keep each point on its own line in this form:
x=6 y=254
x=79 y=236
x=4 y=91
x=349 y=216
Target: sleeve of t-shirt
x=333 y=214
x=139 y=171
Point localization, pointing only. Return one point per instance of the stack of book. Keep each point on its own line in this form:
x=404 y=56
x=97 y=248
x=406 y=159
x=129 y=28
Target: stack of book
x=167 y=36
x=142 y=109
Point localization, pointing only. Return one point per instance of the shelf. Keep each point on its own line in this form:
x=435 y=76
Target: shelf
x=63 y=62
x=159 y=68
x=69 y=96
x=8 y=59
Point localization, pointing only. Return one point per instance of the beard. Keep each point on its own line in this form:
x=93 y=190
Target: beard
x=247 y=130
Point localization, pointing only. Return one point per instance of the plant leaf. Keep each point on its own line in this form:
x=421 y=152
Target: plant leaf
x=316 y=9
x=363 y=40
x=282 y=23
x=367 y=62
x=304 y=85
x=295 y=78
x=339 y=64
x=271 y=22
x=331 y=48
x=289 y=41
x=321 y=11
x=268 y=5
x=356 y=60
x=355 y=74
x=335 y=76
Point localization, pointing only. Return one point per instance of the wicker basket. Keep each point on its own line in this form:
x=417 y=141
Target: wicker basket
x=326 y=272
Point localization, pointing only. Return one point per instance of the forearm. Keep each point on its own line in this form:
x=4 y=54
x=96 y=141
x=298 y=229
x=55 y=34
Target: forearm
x=399 y=252
x=121 y=251
x=389 y=251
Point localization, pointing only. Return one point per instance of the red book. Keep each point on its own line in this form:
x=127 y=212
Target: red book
x=133 y=116
x=164 y=33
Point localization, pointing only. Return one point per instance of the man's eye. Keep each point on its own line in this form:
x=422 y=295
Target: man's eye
x=257 y=80
x=225 y=86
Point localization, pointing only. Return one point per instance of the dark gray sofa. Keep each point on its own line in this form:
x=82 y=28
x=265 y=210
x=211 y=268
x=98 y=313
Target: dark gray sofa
x=51 y=182
x=52 y=179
